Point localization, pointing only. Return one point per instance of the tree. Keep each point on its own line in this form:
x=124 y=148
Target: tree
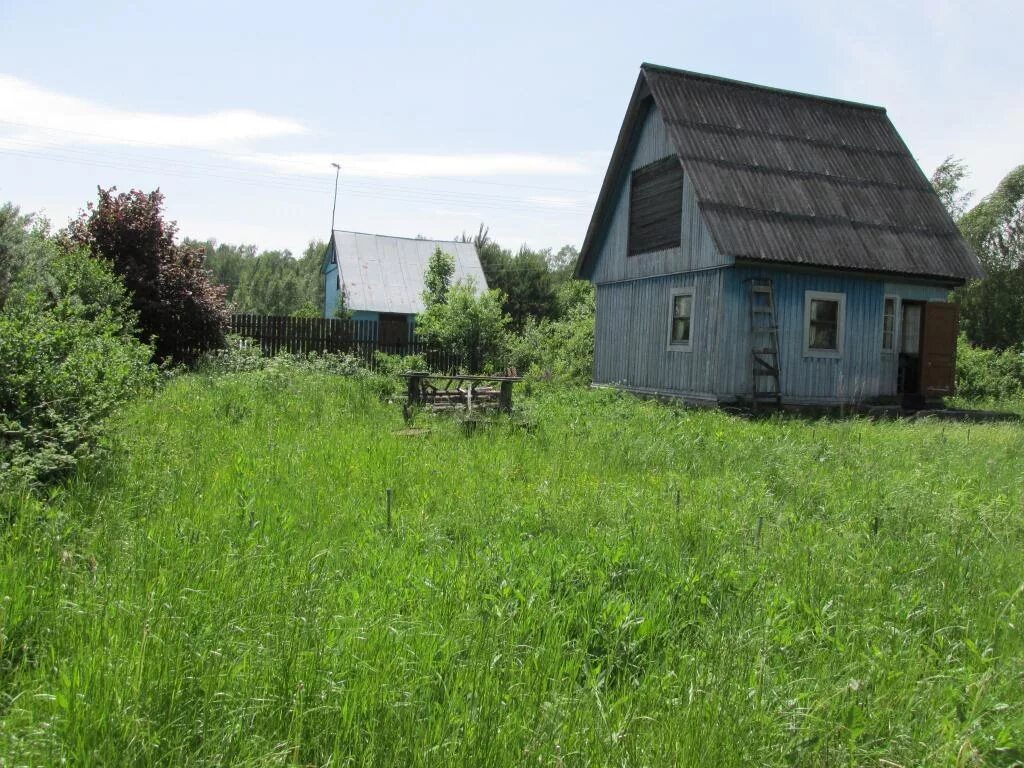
x=529 y=286
x=563 y=263
x=993 y=308
x=948 y=183
x=271 y=282
x=529 y=279
x=437 y=279
x=228 y=264
x=180 y=310
x=271 y=285
x=459 y=318
x=311 y=277
x=13 y=238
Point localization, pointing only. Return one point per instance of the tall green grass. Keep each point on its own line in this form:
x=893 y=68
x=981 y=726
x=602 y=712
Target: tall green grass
x=616 y=582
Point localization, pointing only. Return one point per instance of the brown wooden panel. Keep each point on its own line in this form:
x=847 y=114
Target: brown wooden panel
x=656 y=206
x=938 y=349
x=393 y=329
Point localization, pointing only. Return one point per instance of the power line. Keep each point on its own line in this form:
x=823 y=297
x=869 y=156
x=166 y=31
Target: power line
x=149 y=164
x=381 y=191
x=250 y=156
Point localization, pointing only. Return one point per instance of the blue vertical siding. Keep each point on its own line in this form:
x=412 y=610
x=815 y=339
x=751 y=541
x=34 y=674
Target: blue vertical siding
x=854 y=376
x=331 y=291
x=697 y=250
x=863 y=372
x=632 y=333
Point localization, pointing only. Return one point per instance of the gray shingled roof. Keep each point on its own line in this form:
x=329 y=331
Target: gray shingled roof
x=385 y=274
x=788 y=177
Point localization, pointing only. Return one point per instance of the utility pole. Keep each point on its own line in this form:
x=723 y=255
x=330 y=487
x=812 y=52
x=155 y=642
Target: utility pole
x=334 y=208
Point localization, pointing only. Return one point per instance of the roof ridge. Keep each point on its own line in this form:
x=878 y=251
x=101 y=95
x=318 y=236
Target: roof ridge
x=648 y=66
x=402 y=237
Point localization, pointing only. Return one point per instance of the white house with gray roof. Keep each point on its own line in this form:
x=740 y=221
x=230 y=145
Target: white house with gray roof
x=382 y=278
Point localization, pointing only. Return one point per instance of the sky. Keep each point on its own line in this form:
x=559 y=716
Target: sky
x=447 y=115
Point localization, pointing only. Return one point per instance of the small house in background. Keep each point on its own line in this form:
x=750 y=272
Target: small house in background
x=382 y=281
x=750 y=244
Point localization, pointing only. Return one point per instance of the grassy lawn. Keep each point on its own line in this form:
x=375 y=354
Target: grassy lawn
x=624 y=583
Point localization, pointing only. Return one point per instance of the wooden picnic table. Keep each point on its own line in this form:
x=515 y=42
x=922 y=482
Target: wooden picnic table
x=446 y=391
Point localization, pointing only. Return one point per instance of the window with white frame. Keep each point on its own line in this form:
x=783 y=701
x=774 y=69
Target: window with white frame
x=680 y=333
x=889 y=323
x=824 y=320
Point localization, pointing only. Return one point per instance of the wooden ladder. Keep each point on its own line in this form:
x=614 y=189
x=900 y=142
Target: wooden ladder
x=764 y=340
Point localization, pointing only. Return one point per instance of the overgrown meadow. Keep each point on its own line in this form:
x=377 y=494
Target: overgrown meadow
x=596 y=581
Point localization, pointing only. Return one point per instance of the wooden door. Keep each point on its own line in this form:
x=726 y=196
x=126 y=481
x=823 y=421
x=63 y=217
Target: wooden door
x=938 y=349
x=393 y=330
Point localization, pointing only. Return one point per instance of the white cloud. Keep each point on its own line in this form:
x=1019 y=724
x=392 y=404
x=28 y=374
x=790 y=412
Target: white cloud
x=382 y=165
x=34 y=116
x=34 y=119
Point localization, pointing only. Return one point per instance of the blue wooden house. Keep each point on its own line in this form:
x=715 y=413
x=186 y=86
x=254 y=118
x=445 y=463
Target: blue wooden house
x=382 y=279
x=750 y=243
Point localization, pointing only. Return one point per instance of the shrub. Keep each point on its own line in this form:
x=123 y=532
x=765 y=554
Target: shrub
x=460 y=319
x=393 y=365
x=68 y=358
x=180 y=311
x=562 y=349
x=986 y=374
x=242 y=355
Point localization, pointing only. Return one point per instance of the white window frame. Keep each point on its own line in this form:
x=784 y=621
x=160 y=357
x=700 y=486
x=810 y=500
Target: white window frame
x=681 y=346
x=897 y=312
x=810 y=296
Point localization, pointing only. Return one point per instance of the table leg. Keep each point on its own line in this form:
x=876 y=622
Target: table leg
x=414 y=395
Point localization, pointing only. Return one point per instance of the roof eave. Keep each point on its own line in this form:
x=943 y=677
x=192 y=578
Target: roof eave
x=619 y=156
x=945 y=280
x=327 y=250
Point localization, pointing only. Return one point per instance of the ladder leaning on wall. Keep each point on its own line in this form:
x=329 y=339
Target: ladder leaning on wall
x=764 y=341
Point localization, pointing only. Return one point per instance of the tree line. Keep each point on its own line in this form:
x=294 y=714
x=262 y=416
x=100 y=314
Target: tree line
x=276 y=282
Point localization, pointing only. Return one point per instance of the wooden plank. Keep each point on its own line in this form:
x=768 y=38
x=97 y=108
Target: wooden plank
x=938 y=349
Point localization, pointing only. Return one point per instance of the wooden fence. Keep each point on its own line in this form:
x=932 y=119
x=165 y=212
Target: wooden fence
x=320 y=335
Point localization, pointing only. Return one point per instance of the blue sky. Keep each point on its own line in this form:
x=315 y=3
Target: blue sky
x=446 y=114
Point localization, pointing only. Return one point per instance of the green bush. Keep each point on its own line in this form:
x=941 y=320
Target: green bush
x=562 y=349
x=68 y=358
x=989 y=375
x=460 y=319
x=393 y=365
x=243 y=355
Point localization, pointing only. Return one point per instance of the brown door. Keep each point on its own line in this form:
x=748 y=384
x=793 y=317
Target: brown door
x=938 y=349
x=393 y=330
